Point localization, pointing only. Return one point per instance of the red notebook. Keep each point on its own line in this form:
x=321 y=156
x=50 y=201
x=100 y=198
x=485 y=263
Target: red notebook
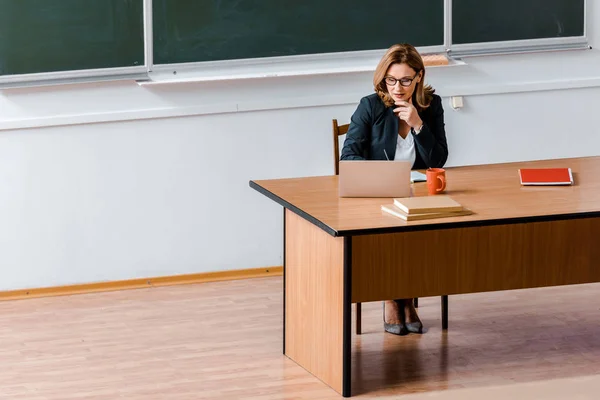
x=546 y=176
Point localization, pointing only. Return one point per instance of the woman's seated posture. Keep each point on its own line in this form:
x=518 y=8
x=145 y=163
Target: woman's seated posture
x=403 y=120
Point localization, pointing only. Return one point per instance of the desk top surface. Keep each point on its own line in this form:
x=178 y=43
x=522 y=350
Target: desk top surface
x=493 y=192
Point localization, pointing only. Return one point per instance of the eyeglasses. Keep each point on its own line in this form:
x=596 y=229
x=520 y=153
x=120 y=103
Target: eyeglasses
x=391 y=81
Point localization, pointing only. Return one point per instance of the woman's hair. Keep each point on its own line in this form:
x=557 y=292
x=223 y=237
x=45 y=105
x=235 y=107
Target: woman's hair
x=403 y=53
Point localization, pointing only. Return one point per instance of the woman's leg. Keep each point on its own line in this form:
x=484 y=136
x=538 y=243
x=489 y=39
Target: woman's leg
x=411 y=318
x=393 y=317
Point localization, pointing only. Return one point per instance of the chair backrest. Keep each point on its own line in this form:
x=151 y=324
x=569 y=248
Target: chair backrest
x=338 y=130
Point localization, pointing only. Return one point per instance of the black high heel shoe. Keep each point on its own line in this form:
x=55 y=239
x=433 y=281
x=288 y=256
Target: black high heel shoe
x=396 y=329
x=415 y=327
x=412 y=327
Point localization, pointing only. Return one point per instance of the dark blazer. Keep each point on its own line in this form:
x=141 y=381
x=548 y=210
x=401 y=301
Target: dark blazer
x=374 y=127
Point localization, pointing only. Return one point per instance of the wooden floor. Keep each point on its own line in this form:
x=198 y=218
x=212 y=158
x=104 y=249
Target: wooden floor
x=223 y=341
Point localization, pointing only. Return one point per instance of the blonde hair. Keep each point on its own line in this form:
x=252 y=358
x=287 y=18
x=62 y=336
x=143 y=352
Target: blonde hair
x=403 y=53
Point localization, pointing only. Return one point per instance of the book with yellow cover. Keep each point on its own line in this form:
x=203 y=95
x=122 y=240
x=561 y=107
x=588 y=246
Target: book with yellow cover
x=393 y=210
x=426 y=204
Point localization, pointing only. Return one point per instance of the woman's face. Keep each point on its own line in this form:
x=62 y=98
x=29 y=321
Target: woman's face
x=401 y=81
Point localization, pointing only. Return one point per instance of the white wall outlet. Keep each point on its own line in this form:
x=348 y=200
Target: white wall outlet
x=456 y=102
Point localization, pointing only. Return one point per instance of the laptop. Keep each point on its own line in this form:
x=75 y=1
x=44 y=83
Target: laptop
x=374 y=178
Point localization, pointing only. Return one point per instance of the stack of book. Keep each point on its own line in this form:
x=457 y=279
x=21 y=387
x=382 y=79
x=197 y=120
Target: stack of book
x=424 y=207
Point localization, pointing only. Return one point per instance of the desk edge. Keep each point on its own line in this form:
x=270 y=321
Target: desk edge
x=412 y=228
x=294 y=209
x=468 y=224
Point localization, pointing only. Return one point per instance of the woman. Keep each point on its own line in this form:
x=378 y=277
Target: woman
x=403 y=120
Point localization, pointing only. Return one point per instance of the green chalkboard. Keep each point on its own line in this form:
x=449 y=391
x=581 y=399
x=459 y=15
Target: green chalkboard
x=476 y=21
x=38 y=36
x=66 y=35
x=207 y=30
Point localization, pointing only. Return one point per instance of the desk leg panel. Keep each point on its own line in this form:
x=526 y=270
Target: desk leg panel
x=314 y=307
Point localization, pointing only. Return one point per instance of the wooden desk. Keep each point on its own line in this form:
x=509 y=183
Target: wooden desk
x=339 y=251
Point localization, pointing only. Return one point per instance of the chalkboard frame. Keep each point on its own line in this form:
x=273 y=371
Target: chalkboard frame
x=513 y=46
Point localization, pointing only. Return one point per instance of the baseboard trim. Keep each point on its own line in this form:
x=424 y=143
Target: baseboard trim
x=141 y=283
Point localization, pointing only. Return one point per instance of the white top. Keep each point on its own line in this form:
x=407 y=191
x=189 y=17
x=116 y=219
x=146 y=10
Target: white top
x=405 y=149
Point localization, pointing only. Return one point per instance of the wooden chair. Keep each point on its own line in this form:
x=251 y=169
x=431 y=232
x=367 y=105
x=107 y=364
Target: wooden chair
x=339 y=130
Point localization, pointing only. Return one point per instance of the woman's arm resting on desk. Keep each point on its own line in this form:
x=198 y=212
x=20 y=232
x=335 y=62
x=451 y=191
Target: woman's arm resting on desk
x=356 y=144
x=431 y=141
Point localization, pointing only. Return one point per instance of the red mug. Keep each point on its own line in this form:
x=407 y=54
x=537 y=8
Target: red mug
x=436 y=180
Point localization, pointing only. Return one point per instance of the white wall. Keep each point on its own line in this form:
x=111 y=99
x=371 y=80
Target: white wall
x=116 y=181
